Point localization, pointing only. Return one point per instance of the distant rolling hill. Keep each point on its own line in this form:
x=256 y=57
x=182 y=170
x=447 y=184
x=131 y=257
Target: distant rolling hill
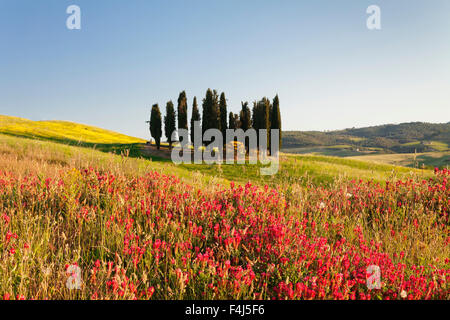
x=430 y=142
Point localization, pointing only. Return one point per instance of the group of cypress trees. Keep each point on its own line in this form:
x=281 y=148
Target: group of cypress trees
x=264 y=115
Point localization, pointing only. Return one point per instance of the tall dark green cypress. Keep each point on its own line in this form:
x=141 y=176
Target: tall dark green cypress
x=215 y=116
x=232 y=121
x=207 y=110
x=246 y=121
x=169 y=122
x=223 y=116
x=275 y=118
x=210 y=118
x=260 y=117
x=256 y=119
x=195 y=117
x=265 y=118
x=182 y=111
x=155 y=125
x=245 y=117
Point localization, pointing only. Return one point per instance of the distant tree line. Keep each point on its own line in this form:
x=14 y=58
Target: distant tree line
x=264 y=115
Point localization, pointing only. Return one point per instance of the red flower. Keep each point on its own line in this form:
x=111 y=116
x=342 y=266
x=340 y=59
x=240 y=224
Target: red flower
x=150 y=291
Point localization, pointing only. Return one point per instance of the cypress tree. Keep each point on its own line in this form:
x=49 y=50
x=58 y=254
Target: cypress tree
x=169 y=122
x=223 y=116
x=195 y=117
x=155 y=125
x=215 y=116
x=265 y=118
x=237 y=121
x=275 y=118
x=245 y=117
x=232 y=121
x=245 y=121
x=210 y=118
x=260 y=117
x=207 y=110
x=182 y=111
x=256 y=118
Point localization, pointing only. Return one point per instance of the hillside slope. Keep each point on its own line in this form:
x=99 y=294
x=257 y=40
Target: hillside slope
x=62 y=131
x=294 y=169
x=71 y=133
x=64 y=205
x=389 y=138
x=16 y=134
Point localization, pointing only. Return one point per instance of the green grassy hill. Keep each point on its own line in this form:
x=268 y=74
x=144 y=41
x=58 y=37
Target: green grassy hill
x=69 y=133
x=65 y=142
x=62 y=214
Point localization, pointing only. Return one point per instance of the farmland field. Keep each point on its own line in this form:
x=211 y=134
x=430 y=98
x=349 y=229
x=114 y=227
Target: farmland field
x=137 y=227
x=434 y=159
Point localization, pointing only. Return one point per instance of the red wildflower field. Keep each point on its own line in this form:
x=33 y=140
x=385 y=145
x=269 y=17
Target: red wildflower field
x=154 y=237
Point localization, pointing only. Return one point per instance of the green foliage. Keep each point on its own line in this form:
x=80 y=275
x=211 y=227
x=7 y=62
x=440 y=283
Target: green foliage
x=195 y=117
x=214 y=115
x=210 y=116
x=223 y=115
x=245 y=117
x=261 y=115
x=275 y=117
x=169 y=122
x=182 y=111
x=232 y=121
x=156 y=124
x=245 y=121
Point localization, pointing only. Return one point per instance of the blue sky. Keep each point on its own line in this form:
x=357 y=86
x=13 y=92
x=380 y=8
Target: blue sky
x=329 y=70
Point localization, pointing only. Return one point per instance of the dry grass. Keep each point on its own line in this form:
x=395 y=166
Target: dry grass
x=434 y=159
x=62 y=215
